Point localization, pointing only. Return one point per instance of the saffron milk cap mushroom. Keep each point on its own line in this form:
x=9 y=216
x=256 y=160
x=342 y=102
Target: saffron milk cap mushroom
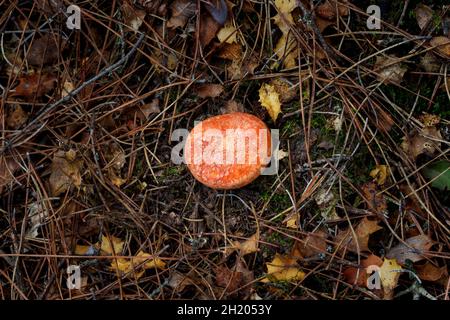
x=228 y=151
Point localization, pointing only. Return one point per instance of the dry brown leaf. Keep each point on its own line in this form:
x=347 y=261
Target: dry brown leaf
x=363 y=230
x=209 y=90
x=234 y=281
x=7 y=168
x=424 y=14
x=65 y=172
x=233 y=106
x=208 y=29
x=179 y=281
x=286 y=90
x=231 y=51
x=375 y=200
x=430 y=63
x=150 y=108
x=359 y=276
x=283 y=268
x=182 y=11
x=16 y=117
x=423 y=142
x=136 y=266
x=442 y=45
x=429 y=272
x=388 y=69
x=313 y=245
x=270 y=99
x=248 y=246
x=413 y=249
x=45 y=50
x=132 y=17
x=35 y=85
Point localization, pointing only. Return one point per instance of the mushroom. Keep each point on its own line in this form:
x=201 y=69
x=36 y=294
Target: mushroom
x=228 y=151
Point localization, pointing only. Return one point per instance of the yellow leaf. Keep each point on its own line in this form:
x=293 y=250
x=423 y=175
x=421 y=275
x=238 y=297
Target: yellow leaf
x=107 y=245
x=248 y=246
x=285 y=6
x=270 y=99
x=227 y=34
x=283 y=268
x=380 y=174
x=291 y=222
x=127 y=266
x=287 y=50
x=389 y=274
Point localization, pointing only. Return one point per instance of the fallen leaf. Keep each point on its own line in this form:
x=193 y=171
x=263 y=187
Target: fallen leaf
x=182 y=11
x=35 y=85
x=363 y=231
x=233 y=106
x=442 y=45
x=132 y=17
x=270 y=99
x=424 y=14
x=111 y=245
x=45 y=50
x=359 y=276
x=424 y=141
x=208 y=29
x=326 y=201
x=283 y=268
x=65 y=172
x=16 y=117
x=413 y=249
x=439 y=174
x=7 y=168
x=83 y=250
x=227 y=34
x=313 y=245
x=388 y=70
x=236 y=280
x=389 y=275
x=115 y=156
x=287 y=50
x=231 y=51
x=209 y=90
x=179 y=281
x=292 y=221
x=286 y=90
x=375 y=200
x=380 y=174
x=429 y=272
x=150 y=108
x=430 y=63
x=248 y=246
x=136 y=266
x=67 y=88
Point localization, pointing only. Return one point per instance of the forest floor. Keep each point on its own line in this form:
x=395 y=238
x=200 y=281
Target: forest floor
x=360 y=205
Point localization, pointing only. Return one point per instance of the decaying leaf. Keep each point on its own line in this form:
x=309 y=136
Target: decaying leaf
x=389 y=275
x=179 y=281
x=35 y=85
x=285 y=89
x=45 y=50
x=375 y=200
x=430 y=63
x=430 y=272
x=425 y=141
x=208 y=29
x=16 y=117
x=8 y=165
x=111 y=245
x=132 y=17
x=231 y=51
x=182 y=11
x=346 y=239
x=283 y=268
x=136 y=266
x=388 y=69
x=413 y=249
x=292 y=220
x=424 y=14
x=65 y=172
x=380 y=173
x=209 y=90
x=248 y=246
x=150 y=108
x=115 y=156
x=227 y=34
x=439 y=174
x=442 y=45
x=234 y=281
x=359 y=276
x=286 y=48
x=270 y=99
x=326 y=201
x=313 y=245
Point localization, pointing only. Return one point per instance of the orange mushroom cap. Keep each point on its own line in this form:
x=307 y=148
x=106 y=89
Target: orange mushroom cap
x=228 y=151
